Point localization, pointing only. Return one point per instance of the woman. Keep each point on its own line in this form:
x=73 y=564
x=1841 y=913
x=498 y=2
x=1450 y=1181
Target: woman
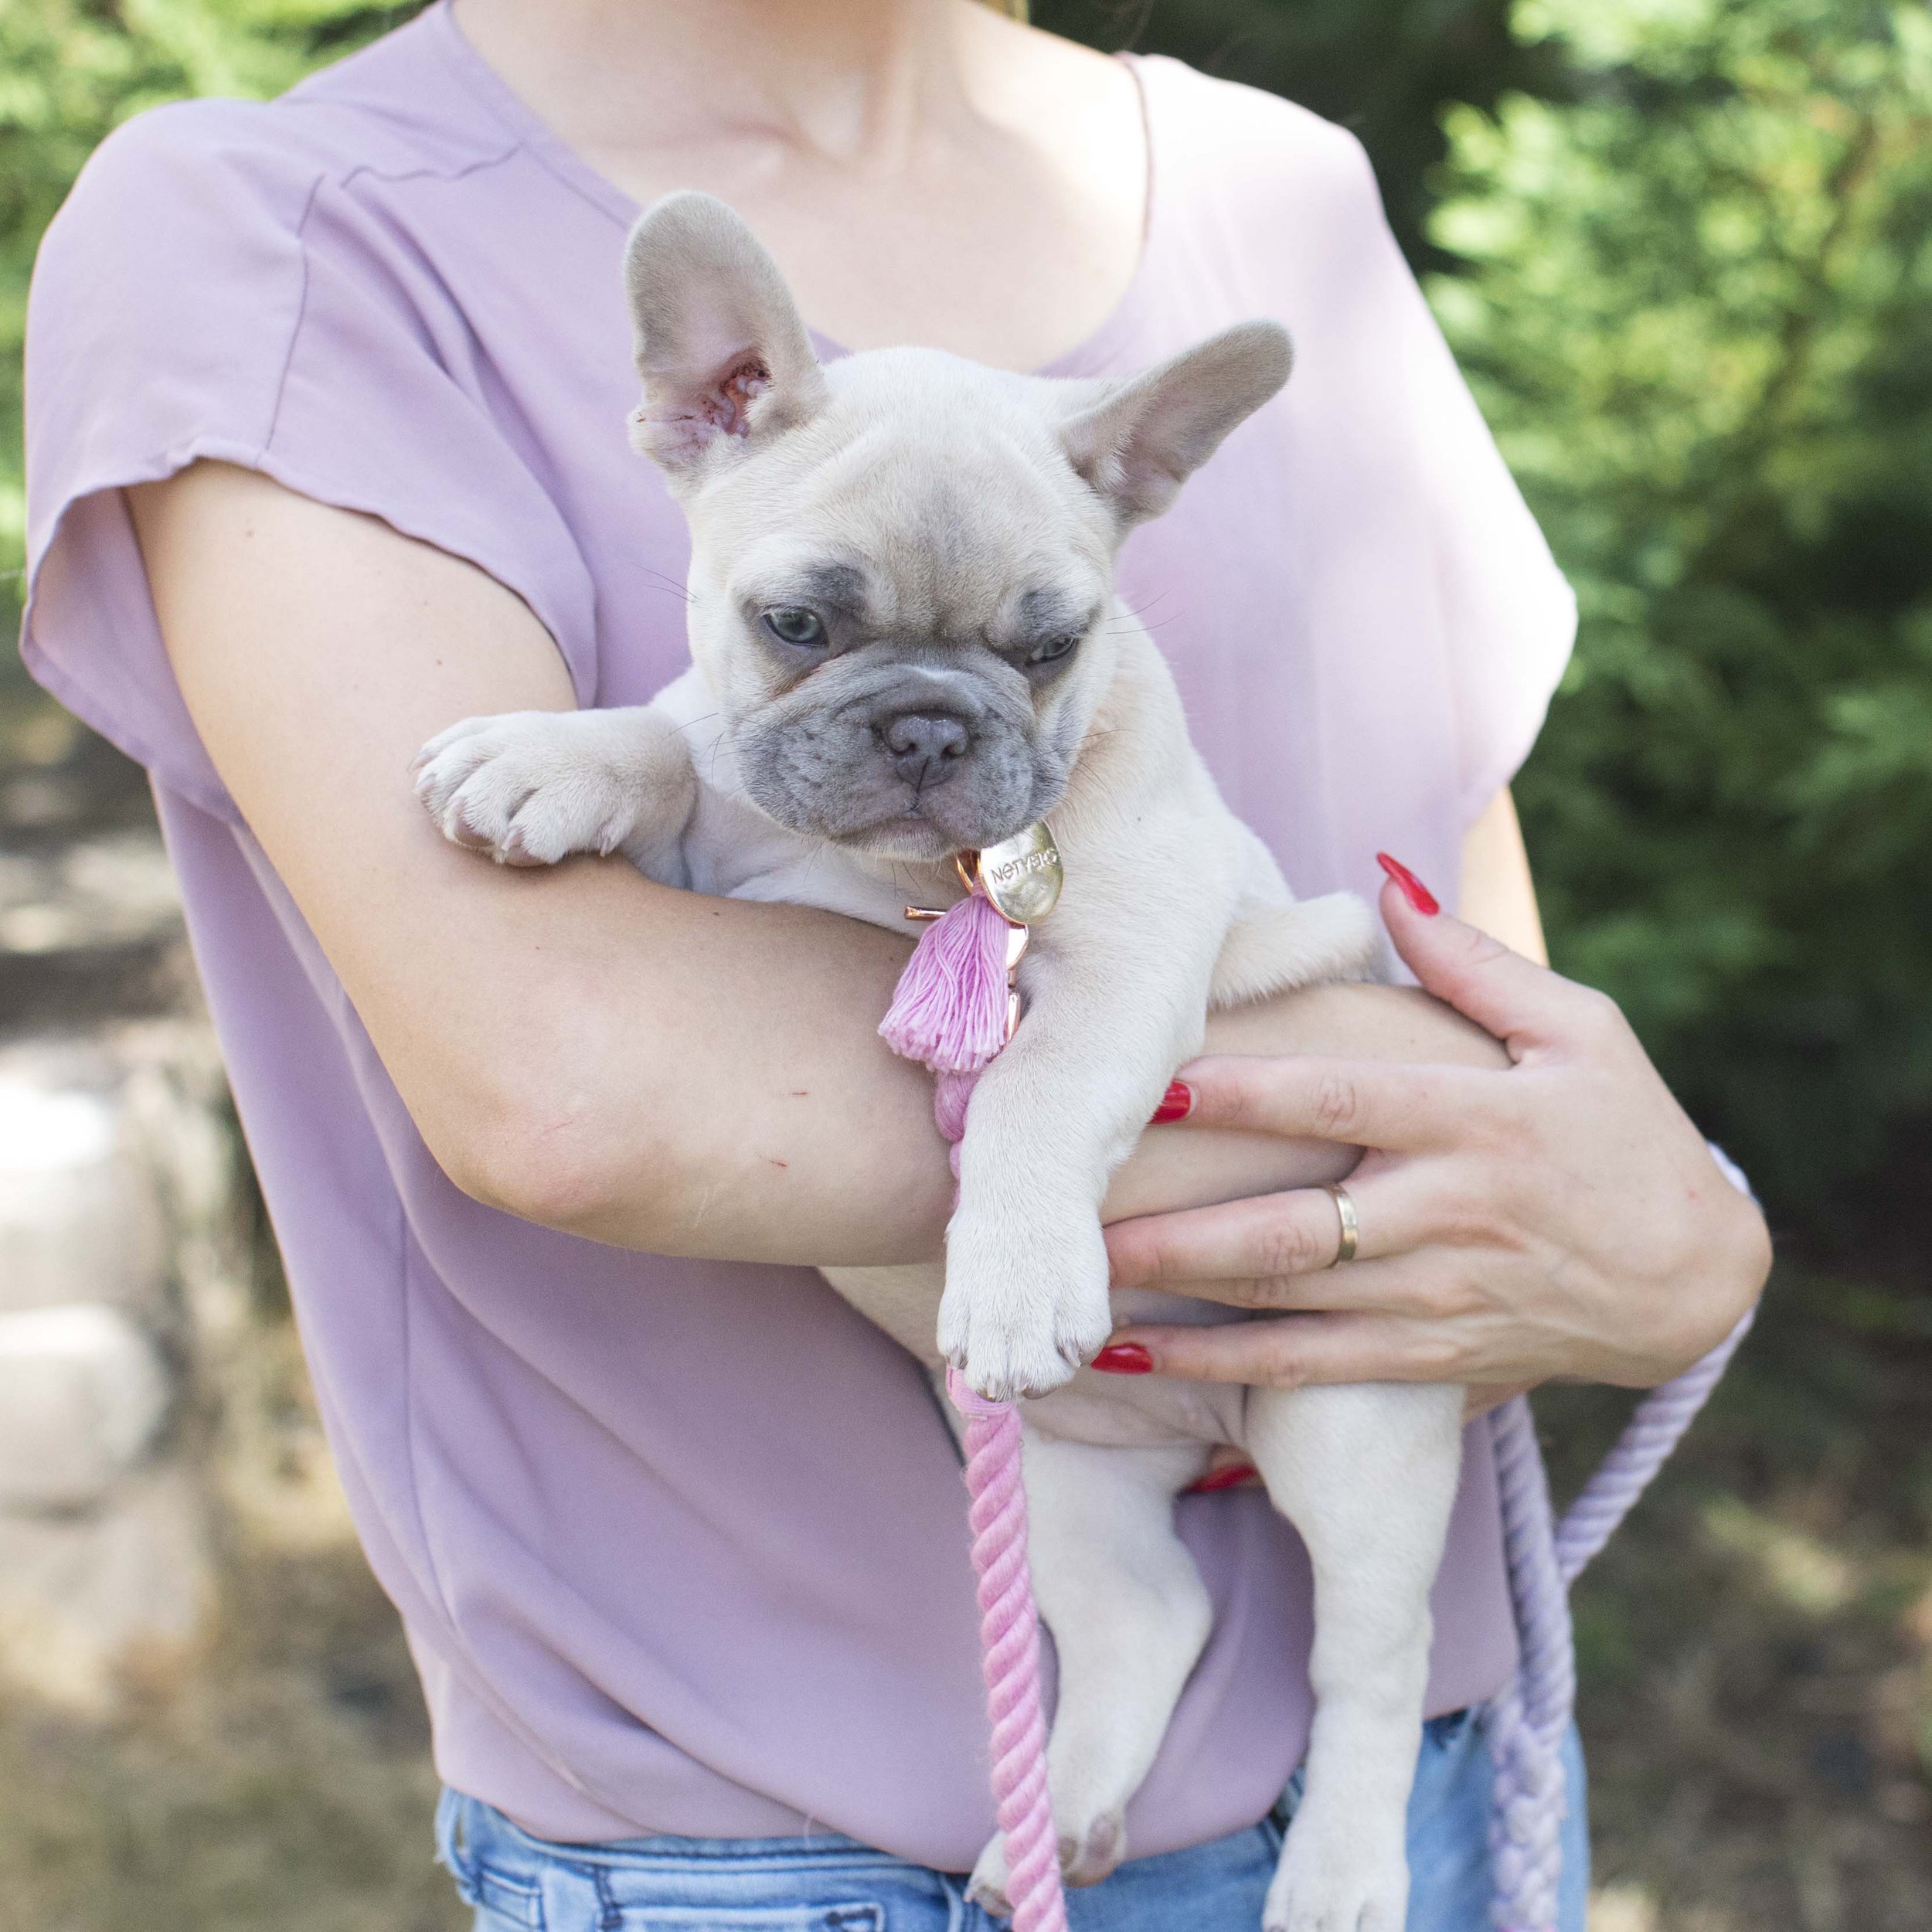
x=326 y=417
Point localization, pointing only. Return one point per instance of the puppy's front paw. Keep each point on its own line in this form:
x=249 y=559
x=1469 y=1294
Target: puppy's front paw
x=531 y=787
x=1026 y=1302
x=1338 y=1874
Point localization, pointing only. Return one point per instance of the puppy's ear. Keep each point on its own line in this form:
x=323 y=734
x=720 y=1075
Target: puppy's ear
x=1138 y=444
x=724 y=357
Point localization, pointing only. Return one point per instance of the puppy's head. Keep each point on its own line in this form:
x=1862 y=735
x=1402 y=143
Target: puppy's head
x=901 y=564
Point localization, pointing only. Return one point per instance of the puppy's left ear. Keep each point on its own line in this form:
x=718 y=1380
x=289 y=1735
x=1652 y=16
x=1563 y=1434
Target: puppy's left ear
x=1137 y=446
x=722 y=351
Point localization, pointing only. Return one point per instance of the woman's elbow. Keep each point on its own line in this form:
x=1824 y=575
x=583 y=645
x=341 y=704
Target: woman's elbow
x=540 y=1157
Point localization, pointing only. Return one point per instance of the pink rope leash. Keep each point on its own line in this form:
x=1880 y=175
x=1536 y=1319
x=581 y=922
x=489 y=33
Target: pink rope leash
x=952 y=1010
x=1009 y=1645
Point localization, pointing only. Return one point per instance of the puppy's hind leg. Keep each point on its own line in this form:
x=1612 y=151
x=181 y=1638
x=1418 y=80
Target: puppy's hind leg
x=1276 y=943
x=1367 y=1475
x=1129 y=1615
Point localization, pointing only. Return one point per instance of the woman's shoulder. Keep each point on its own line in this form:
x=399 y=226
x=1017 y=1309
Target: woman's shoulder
x=202 y=173
x=179 y=164
x=1241 y=143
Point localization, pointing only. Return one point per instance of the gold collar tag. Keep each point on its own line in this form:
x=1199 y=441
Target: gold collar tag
x=1021 y=876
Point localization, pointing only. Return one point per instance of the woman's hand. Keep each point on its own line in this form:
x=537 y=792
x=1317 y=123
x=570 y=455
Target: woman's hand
x=1559 y=1218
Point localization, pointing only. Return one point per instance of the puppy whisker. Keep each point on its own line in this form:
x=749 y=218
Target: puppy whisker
x=661 y=582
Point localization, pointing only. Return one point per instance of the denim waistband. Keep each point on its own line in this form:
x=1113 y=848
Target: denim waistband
x=467 y=1828
x=824 y=1883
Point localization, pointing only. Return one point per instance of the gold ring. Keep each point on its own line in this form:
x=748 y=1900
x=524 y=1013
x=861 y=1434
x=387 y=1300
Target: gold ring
x=1351 y=1227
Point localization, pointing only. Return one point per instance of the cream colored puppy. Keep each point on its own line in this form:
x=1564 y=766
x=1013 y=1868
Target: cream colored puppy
x=906 y=644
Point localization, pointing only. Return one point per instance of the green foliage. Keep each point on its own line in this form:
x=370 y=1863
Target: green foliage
x=1697 y=306
x=72 y=70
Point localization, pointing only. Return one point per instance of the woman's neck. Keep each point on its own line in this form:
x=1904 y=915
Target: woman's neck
x=925 y=171
x=852 y=84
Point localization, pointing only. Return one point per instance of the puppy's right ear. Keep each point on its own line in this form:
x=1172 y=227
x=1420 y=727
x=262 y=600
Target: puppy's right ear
x=722 y=350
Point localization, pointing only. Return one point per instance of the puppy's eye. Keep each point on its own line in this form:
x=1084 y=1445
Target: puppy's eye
x=793 y=624
x=1049 y=649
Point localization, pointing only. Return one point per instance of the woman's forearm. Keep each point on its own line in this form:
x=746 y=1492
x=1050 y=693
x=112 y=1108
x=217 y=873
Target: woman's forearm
x=579 y=1046
x=585 y=1048
x=815 y=1151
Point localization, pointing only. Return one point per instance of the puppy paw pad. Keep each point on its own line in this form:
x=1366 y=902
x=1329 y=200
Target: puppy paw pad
x=987 y=1887
x=1087 y=1857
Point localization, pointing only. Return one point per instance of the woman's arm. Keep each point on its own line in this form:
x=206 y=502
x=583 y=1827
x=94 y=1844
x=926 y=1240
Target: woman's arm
x=578 y=1045
x=652 y=1068
x=1499 y=896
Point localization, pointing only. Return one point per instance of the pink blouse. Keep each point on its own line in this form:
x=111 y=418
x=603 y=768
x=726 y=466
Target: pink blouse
x=647 y=1589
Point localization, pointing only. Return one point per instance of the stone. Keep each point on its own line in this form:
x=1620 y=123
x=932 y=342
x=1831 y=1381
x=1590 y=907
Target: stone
x=92 y=1604
x=80 y=1218
x=83 y=1393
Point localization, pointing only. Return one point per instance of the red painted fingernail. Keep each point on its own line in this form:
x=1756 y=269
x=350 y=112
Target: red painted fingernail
x=1235 y=1472
x=1176 y=1103
x=1417 y=894
x=1123 y=1359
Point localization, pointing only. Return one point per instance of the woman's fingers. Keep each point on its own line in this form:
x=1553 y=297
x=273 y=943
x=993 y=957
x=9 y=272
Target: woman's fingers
x=1522 y=1004
x=1252 y=1254
x=1479 y=1398
x=1291 y=1350
x=1429 y=1285
x=1356 y=1103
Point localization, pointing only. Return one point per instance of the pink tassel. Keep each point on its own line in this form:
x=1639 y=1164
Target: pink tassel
x=949 y=1012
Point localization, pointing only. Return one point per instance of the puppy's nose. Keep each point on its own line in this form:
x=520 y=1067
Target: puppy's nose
x=925 y=746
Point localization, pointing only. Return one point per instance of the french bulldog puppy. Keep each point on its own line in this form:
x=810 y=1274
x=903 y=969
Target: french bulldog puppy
x=906 y=645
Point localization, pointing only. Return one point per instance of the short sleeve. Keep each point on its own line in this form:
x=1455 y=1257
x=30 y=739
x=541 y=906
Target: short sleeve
x=1508 y=614
x=212 y=290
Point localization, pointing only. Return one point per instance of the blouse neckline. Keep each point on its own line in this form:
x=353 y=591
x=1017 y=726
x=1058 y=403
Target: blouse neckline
x=1096 y=353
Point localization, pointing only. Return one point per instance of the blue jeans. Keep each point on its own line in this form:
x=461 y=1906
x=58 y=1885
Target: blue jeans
x=827 y=1883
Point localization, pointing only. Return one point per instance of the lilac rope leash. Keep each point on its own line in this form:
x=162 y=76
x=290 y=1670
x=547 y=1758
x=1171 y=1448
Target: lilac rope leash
x=1528 y=1722
x=952 y=1010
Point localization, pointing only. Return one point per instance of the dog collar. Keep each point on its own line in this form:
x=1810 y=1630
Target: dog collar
x=1020 y=878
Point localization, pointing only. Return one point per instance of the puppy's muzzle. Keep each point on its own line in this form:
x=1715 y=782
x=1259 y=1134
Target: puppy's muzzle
x=926 y=747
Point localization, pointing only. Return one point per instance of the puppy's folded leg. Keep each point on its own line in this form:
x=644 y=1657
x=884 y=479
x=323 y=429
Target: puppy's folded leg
x=1367 y=1475
x=1129 y=1615
x=531 y=787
